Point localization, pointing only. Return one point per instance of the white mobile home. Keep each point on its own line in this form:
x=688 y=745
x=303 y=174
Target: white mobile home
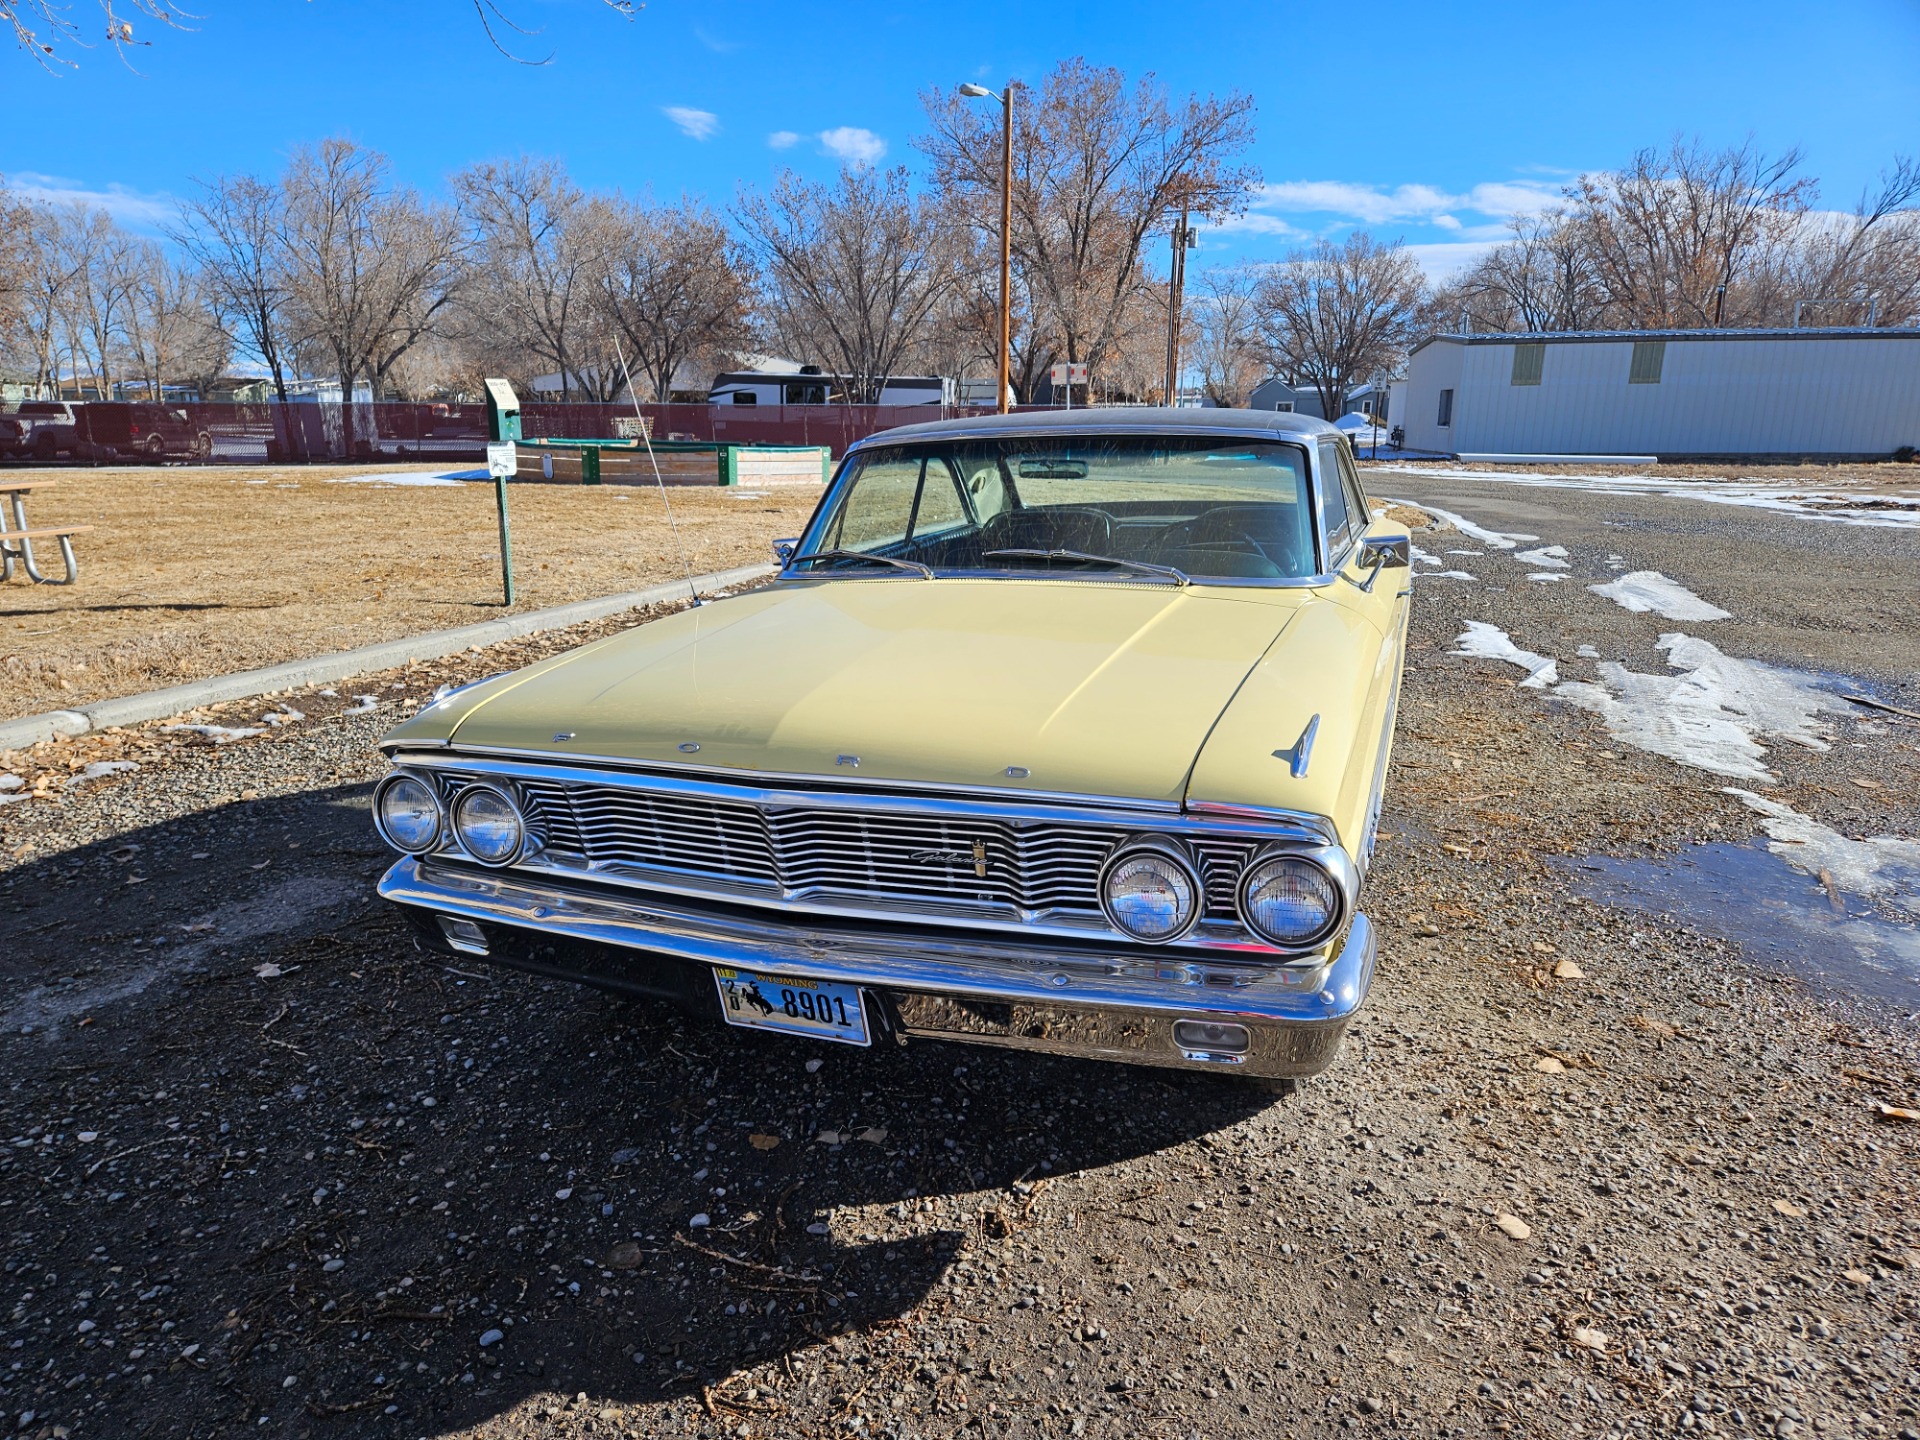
x=1672 y=393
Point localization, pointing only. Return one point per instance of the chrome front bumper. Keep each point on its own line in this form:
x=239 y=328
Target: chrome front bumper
x=1110 y=1006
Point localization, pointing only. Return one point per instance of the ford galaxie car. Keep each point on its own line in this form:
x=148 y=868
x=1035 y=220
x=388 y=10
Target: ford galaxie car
x=1063 y=732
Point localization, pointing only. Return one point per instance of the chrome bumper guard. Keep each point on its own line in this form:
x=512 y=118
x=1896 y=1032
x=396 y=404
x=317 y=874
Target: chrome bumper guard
x=1266 y=1019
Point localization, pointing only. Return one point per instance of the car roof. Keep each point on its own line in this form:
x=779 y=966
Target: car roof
x=1115 y=420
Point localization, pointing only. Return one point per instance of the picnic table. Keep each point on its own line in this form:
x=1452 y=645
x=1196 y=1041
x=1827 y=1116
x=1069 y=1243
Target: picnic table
x=17 y=537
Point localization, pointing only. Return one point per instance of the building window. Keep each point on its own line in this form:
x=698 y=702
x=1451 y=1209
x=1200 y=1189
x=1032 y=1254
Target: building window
x=1446 y=408
x=1527 y=360
x=1648 y=357
x=1285 y=407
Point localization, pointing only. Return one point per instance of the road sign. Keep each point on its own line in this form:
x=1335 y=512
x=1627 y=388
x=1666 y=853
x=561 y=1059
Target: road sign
x=1065 y=374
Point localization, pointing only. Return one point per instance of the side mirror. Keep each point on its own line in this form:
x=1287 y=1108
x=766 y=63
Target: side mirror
x=1387 y=552
x=783 y=550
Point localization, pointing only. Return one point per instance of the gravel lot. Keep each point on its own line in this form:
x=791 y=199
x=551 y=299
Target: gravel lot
x=194 y=571
x=1581 y=1171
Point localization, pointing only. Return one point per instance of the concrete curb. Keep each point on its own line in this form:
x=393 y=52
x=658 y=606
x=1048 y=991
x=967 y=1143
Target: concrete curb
x=177 y=699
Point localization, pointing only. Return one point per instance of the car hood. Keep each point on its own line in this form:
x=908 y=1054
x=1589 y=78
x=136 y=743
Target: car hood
x=1105 y=689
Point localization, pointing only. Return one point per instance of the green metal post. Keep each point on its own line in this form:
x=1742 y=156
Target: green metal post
x=506 y=537
x=590 y=465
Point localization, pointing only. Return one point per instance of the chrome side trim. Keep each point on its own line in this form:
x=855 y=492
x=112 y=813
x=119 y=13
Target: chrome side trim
x=1292 y=1006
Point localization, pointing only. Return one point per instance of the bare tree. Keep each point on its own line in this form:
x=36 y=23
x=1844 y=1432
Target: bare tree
x=854 y=269
x=18 y=241
x=530 y=285
x=674 y=285
x=1868 y=263
x=1673 y=236
x=1335 y=315
x=369 y=266
x=1223 y=317
x=1099 y=168
x=231 y=232
x=102 y=264
x=170 y=329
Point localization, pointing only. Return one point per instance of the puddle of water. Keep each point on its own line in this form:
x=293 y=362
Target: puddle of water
x=1775 y=914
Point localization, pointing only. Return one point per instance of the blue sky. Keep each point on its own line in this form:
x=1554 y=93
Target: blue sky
x=1430 y=122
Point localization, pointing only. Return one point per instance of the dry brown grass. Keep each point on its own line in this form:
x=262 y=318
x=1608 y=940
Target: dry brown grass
x=192 y=572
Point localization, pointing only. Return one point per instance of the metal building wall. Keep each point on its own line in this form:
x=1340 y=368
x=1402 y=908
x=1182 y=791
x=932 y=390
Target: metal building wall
x=1824 y=394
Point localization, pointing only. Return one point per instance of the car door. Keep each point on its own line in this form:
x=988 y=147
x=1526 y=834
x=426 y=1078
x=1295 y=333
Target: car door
x=1381 y=592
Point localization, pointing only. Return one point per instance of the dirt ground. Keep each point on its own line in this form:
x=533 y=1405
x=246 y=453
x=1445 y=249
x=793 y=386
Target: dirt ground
x=194 y=571
x=1583 y=1169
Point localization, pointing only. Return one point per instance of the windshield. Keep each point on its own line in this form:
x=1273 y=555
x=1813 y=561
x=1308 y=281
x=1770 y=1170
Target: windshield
x=1137 y=507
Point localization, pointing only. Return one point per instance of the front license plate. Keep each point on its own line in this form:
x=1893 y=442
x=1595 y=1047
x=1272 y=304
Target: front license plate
x=792 y=1006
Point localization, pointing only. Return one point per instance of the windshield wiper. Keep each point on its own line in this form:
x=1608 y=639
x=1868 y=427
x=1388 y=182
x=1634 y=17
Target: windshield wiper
x=925 y=572
x=1178 y=577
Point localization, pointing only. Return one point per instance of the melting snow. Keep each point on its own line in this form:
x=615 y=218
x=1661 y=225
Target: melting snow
x=412 y=477
x=1642 y=590
x=367 y=703
x=1547 y=557
x=1587 y=652
x=100 y=769
x=1712 y=715
x=220 y=734
x=1493 y=538
x=1881 y=865
x=1424 y=558
x=1839 y=507
x=1545 y=575
x=1451 y=575
x=1490 y=642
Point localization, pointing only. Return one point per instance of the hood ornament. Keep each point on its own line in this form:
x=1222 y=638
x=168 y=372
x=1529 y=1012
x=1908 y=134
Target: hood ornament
x=1301 y=750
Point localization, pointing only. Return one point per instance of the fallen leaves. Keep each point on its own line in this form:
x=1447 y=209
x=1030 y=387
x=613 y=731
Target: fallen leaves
x=1549 y=1065
x=763 y=1142
x=1513 y=1227
x=1884 y=1111
x=1587 y=1338
x=1789 y=1209
x=1567 y=970
x=1858 y=1277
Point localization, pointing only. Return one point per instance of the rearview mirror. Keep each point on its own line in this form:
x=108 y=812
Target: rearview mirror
x=1387 y=551
x=783 y=550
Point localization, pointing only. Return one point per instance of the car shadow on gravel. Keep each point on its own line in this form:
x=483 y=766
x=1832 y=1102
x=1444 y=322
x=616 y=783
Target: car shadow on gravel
x=303 y=1172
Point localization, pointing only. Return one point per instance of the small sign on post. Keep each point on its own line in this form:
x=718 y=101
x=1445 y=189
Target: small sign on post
x=1066 y=375
x=502 y=463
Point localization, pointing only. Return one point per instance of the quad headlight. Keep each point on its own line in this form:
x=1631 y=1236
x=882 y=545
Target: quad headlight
x=407 y=813
x=1151 y=890
x=1290 y=900
x=489 y=825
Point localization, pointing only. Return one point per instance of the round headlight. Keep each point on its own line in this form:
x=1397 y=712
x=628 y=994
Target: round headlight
x=1150 y=892
x=408 y=814
x=489 y=826
x=1289 y=900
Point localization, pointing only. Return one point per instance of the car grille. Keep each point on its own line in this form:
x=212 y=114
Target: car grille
x=867 y=856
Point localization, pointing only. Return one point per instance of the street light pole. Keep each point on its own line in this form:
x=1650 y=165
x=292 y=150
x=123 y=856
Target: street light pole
x=1006 y=234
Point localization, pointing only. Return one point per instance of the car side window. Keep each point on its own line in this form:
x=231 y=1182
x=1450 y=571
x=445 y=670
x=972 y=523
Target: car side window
x=1333 y=500
x=1357 y=507
x=939 y=509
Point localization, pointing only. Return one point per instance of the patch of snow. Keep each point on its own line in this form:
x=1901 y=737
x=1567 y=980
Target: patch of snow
x=11 y=782
x=1710 y=716
x=1547 y=557
x=1494 y=539
x=1838 y=507
x=1424 y=558
x=1545 y=575
x=1587 y=652
x=367 y=703
x=10 y=796
x=1451 y=575
x=1643 y=590
x=1490 y=642
x=1878 y=865
x=220 y=734
x=100 y=769
x=282 y=716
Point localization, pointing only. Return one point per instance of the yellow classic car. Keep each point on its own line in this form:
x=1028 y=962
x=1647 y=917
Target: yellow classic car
x=1062 y=732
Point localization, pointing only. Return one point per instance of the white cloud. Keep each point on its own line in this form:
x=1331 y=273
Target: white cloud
x=132 y=208
x=1255 y=223
x=783 y=139
x=1444 y=259
x=853 y=146
x=695 y=124
x=715 y=43
x=1376 y=205
x=1447 y=222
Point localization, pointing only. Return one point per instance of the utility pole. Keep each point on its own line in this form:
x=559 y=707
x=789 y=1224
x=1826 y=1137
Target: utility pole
x=1006 y=234
x=1176 y=302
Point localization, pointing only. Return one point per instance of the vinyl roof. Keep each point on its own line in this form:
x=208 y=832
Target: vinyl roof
x=1116 y=420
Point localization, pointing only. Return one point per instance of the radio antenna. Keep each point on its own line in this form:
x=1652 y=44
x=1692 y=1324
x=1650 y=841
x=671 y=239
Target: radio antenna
x=647 y=439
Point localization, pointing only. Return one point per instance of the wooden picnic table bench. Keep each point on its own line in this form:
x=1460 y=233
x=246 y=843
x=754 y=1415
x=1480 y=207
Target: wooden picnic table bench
x=17 y=537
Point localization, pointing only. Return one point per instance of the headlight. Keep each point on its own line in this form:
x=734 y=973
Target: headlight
x=1289 y=900
x=1150 y=891
x=488 y=825
x=407 y=813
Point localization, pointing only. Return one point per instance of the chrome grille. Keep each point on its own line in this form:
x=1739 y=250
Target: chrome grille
x=867 y=855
